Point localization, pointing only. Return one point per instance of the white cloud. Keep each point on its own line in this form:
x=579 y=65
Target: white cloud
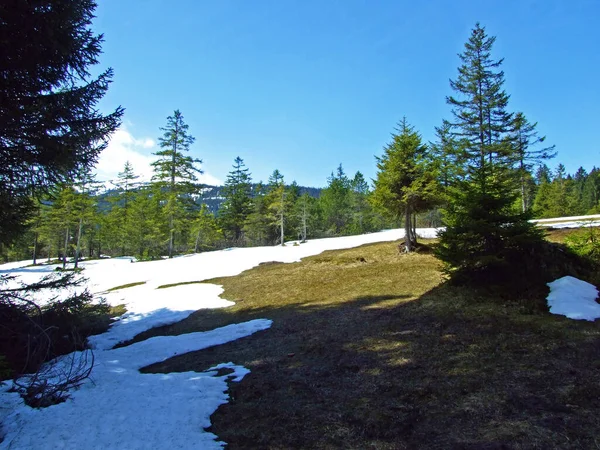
x=123 y=147
x=207 y=178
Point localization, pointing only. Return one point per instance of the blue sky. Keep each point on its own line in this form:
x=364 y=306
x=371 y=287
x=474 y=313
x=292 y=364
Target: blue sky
x=304 y=85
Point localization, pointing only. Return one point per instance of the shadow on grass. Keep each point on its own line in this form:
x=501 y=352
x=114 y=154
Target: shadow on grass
x=447 y=370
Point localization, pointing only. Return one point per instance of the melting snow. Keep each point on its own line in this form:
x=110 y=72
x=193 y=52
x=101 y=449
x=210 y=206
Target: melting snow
x=121 y=408
x=573 y=298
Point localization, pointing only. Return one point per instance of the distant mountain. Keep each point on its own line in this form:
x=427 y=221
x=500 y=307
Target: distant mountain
x=212 y=196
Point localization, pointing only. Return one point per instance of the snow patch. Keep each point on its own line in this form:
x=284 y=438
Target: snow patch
x=573 y=298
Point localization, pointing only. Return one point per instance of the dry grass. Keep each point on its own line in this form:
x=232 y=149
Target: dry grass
x=371 y=349
x=125 y=286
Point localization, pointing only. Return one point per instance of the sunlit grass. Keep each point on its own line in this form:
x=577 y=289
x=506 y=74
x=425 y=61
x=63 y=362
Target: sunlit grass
x=371 y=348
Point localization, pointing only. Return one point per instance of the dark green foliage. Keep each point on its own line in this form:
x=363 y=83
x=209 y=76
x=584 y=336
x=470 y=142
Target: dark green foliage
x=336 y=202
x=524 y=137
x=50 y=126
x=175 y=175
x=484 y=238
x=237 y=206
x=406 y=180
x=31 y=335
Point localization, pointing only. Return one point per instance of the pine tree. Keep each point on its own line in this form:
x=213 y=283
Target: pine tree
x=175 y=173
x=238 y=201
x=205 y=230
x=119 y=217
x=258 y=226
x=359 y=189
x=483 y=233
x=86 y=188
x=276 y=200
x=405 y=182
x=335 y=200
x=524 y=136
x=50 y=125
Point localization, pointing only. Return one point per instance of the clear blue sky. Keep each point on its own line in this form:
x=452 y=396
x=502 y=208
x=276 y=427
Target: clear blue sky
x=303 y=85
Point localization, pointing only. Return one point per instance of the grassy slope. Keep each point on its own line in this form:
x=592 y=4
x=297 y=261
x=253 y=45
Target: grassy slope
x=370 y=349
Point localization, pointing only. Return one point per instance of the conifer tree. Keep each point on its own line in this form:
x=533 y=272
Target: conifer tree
x=524 y=137
x=205 y=230
x=119 y=217
x=483 y=233
x=276 y=198
x=175 y=173
x=359 y=189
x=406 y=180
x=335 y=201
x=238 y=201
x=50 y=125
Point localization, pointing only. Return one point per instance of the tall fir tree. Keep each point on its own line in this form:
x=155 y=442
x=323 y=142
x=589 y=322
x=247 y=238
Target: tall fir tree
x=119 y=217
x=237 y=206
x=50 y=125
x=335 y=200
x=277 y=207
x=524 y=137
x=483 y=233
x=175 y=173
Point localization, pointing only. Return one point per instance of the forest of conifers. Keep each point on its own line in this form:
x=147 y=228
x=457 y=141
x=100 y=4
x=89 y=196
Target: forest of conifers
x=126 y=217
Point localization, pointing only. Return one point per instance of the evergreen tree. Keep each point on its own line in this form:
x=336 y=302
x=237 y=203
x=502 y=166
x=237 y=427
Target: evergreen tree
x=359 y=189
x=303 y=212
x=119 y=217
x=145 y=234
x=205 y=230
x=591 y=192
x=86 y=188
x=259 y=224
x=335 y=201
x=524 y=137
x=238 y=201
x=483 y=233
x=50 y=125
x=175 y=173
x=405 y=182
x=276 y=200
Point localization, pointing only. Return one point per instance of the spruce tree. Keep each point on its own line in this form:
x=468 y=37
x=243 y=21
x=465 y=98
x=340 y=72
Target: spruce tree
x=335 y=200
x=277 y=205
x=406 y=181
x=119 y=217
x=524 y=137
x=175 y=173
x=483 y=233
x=359 y=190
x=237 y=206
x=50 y=124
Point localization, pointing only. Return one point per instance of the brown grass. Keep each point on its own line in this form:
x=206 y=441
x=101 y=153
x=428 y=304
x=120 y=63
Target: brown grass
x=125 y=286
x=371 y=349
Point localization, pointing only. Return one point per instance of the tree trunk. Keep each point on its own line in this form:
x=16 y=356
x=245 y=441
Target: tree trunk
x=35 y=245
x=197 y=242
x=408 y=237
x=303 y=222
x=78 y=245
x=171 y=236
x=415 y=228
x=281 y=216
x=65 y=249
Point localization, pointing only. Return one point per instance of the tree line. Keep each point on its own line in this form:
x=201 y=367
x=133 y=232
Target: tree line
x=168 y=216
